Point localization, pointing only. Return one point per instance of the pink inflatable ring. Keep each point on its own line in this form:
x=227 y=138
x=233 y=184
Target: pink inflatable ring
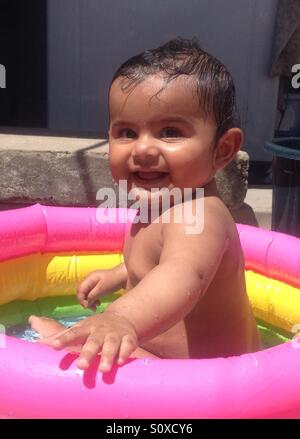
x=37 y=381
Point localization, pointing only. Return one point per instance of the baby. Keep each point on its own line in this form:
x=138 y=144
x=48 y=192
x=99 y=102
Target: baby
x=172 y=125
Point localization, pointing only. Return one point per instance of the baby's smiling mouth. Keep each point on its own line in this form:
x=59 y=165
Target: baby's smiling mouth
x=150 y=179
x=150 y=176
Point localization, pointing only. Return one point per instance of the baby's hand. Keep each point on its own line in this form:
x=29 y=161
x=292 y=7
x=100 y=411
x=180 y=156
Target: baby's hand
x=108 y=333
x=95 y=285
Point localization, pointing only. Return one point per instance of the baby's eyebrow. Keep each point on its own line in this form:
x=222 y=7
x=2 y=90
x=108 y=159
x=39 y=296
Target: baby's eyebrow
x=121 y=122
x=171 y=119
x=157 y=120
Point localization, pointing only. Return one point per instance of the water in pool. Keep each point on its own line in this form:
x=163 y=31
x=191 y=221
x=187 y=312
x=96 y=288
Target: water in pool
x=24 y=332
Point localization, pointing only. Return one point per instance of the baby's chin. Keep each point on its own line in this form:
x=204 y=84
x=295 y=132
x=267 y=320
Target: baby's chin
x=155 y=200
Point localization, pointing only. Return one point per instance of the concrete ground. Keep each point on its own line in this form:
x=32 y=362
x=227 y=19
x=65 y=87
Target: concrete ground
x=257 y=208
x=260 y=199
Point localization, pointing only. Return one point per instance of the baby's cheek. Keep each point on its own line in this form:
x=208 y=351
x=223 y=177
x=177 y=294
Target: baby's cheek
x=118 y=168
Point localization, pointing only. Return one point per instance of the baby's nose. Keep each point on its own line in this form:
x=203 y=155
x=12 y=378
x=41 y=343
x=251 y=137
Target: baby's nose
x=145 y=152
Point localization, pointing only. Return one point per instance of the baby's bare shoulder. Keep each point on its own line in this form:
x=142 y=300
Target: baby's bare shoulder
x=200 y=230
x=208 y=216
x=218 y=217
x=203 y=249
x=216 y=211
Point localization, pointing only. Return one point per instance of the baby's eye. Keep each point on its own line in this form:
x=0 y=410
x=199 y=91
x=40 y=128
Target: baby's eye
x=127 y=133
x=171 y=132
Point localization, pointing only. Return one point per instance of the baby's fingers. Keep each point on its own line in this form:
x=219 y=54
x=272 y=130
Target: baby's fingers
x=93 y=305
x=91 y=348
x=128 y=346
x=110 y=351
x=92 y=298
x=84 y=289
x=95 y=293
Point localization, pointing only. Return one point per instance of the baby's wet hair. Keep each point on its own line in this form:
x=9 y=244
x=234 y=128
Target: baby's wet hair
x=213 y=82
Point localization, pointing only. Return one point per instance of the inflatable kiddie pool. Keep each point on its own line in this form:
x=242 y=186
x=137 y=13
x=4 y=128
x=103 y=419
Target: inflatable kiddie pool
x=46 y=251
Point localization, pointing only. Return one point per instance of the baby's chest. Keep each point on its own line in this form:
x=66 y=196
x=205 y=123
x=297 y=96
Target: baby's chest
x=141 y=252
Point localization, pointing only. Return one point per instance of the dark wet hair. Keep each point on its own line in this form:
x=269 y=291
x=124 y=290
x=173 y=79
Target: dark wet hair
x=213 y=82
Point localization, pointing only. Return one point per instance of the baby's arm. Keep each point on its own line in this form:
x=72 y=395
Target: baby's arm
x=100 y=283
x=169 y=292
x=163 y=297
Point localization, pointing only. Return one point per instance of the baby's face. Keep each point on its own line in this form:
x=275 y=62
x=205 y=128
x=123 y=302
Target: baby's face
x=159 y=138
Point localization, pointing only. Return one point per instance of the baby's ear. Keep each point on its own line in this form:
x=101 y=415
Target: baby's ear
x=227 y=146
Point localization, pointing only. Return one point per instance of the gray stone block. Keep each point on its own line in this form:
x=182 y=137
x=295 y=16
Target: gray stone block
x=232 y=181
x=59 y=178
